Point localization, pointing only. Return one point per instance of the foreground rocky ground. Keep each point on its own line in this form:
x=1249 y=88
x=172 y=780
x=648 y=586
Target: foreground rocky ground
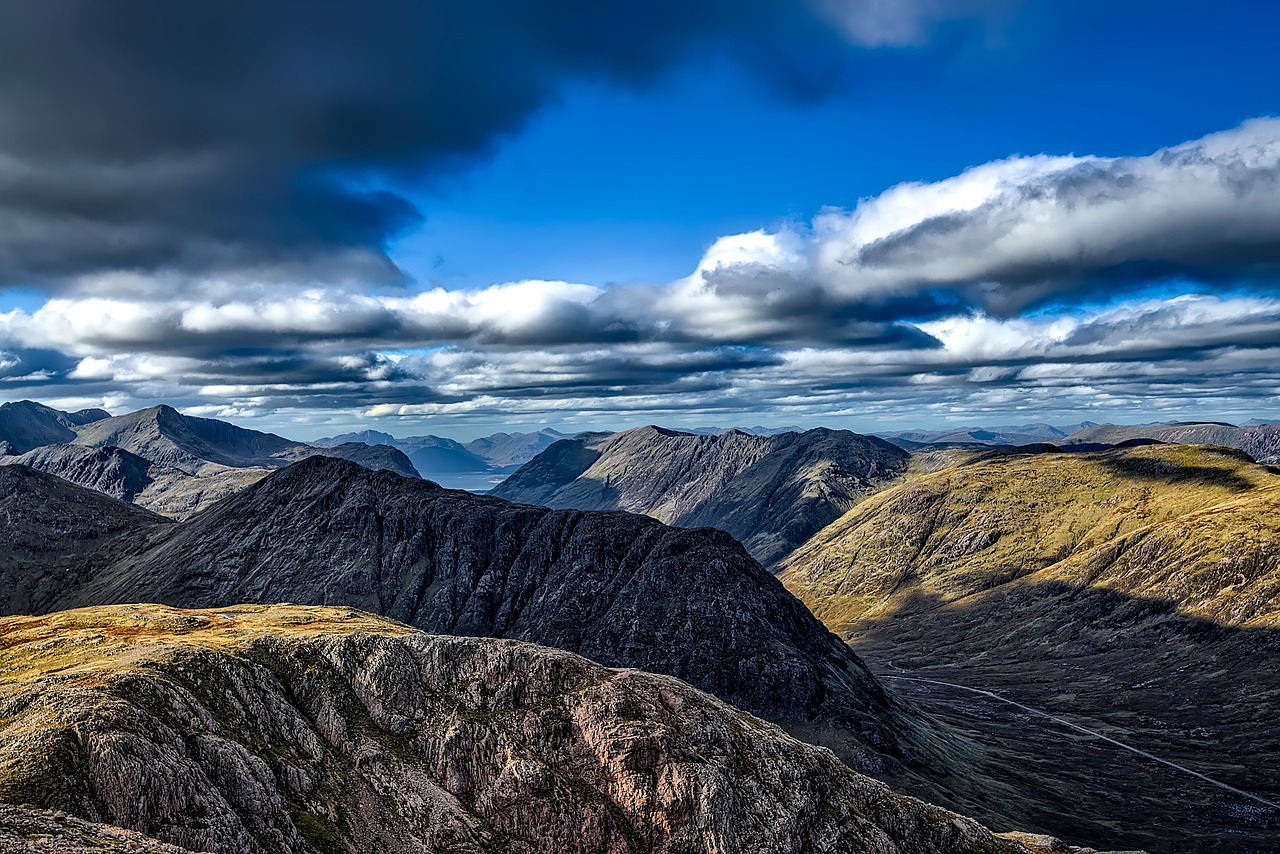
x=285 y=728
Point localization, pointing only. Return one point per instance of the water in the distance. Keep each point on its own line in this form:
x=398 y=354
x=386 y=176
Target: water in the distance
x=471 y=481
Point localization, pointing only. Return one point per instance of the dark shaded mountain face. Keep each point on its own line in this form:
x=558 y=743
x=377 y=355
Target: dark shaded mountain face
x=771 y=492
x=55 y=532
x=622 y=589
x=317 y=730
x=1135 y=590
x=375 y=457
x=1260 y=441
x=26 y=425
x=111 y=471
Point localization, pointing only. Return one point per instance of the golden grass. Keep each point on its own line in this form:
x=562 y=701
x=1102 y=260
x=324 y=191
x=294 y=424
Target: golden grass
x=87 y=643
x=984 y=520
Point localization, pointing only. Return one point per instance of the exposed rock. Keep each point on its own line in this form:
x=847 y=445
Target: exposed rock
x=251 y=729
x=111 y=471
x=38 y=831
x=771 y=492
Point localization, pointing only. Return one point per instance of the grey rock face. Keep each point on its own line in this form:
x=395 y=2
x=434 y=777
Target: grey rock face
x=310 y=730
x=771 y=492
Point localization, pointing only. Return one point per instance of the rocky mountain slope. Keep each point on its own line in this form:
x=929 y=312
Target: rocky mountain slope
x=510 y=450
x=26 y=425
x=1260 y=441
x=619 y=588
x=771 y=492
x=56 y=532
x=256 y=729
x=1136 y=591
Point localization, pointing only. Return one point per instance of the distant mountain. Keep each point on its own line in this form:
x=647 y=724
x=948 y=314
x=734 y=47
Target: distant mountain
x=1260 y=441
x=771 y=492
x=168 y=462
x=430 y=455
x=26 y=425
x=1008 y=434
x=165 y=436
x=1126 y=588
x=433 y=455
x=509 y=450
x=285 y=728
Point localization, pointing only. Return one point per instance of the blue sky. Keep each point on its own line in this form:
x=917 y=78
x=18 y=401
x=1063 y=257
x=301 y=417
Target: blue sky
x=430 y=217
x=614 y=185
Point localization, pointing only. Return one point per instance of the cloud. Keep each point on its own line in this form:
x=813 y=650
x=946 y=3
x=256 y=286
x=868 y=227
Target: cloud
x=1027 y=231
x=261 y=141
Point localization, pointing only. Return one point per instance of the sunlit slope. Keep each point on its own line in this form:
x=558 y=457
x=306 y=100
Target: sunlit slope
x=1197 y=525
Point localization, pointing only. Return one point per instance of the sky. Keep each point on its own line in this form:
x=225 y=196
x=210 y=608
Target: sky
x=462 y=217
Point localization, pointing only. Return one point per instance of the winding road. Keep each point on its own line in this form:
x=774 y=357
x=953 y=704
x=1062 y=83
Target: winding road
x=991 y=694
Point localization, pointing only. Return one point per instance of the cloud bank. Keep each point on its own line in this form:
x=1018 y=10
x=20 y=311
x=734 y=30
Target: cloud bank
x=207 y=193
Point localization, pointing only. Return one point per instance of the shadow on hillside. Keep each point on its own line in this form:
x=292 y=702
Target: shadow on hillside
x=1185 y=688
x=1166 y=471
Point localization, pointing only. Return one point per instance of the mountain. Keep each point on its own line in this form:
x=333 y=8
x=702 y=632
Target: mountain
x=1007 y=434
x=55 y=532
x=204 y=449
x=430 y=455
x=1135 y=591
x=264 y=729
x=622 y=589
x=375 y=457
x=26 y=425
x=509 y=450
x=771 y=492
x=436 y=455
x=1260 y=441
x=165 y=436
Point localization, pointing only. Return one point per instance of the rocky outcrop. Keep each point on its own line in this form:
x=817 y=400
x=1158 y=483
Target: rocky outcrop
x=38 y=831
x=288 y=729
x=771 y=492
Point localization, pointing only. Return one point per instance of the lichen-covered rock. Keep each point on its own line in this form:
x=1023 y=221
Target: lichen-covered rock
x=254 y=729
x=29 y=830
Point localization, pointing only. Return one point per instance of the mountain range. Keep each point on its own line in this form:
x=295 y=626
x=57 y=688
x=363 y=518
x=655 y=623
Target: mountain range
x=970 y=623
x=435 y=455
x=158 y=458
x=1260 y=441
x=771 y=492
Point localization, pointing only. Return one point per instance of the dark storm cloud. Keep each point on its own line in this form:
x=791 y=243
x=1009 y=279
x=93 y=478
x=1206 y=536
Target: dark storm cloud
x=242 y=135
